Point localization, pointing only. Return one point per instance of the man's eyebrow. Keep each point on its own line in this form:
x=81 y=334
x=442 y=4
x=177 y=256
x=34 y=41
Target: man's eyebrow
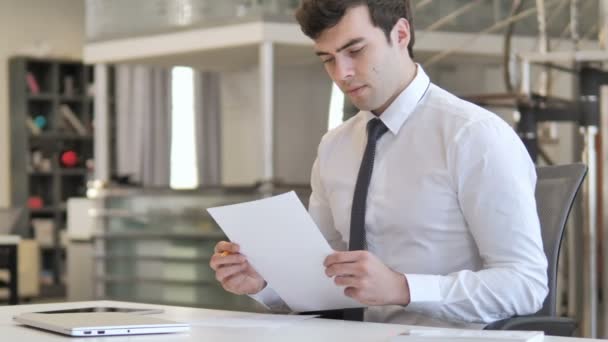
x=345 y=46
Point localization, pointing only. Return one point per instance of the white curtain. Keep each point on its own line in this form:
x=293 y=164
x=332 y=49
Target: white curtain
x=208 y=129
x=143 y=124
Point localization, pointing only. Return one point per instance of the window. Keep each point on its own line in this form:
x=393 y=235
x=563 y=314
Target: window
x=336 y=107
x=184 y=174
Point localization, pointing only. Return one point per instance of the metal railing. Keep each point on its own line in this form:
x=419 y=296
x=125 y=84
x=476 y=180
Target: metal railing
x=109 y=19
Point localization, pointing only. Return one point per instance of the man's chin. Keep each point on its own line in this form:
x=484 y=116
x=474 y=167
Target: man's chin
x=360 y=105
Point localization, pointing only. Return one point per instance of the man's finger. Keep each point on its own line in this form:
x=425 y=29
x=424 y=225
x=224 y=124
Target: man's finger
x=232 y=283
x=344 y=269
x=218 y=261
x=227 y=271
x=344 y=257
x=225 y=246
x=352 y=292
x=347 y=281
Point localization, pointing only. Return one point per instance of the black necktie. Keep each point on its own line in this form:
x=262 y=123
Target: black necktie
x=358 y=241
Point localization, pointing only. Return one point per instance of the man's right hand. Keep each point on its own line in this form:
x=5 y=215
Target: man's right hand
x=233 y=271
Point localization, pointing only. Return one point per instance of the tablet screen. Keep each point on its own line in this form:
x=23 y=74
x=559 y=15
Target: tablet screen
x=105 y=309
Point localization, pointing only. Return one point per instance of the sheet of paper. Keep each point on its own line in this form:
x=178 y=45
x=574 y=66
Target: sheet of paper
x=433 y=335
x=284 y=245
x=249 y=320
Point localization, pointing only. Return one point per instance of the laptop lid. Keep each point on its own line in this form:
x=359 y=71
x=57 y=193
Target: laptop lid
x=100 y=323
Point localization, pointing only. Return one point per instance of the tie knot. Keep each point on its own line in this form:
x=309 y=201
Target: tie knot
x=375 y=129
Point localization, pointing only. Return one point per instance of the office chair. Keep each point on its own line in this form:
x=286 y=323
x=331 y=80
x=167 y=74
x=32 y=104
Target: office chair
x=556 y=189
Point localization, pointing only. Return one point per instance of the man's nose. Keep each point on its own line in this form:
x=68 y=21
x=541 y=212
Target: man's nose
x=344 y=70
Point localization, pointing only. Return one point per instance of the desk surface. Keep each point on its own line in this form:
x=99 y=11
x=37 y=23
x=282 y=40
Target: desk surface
x=309 y=330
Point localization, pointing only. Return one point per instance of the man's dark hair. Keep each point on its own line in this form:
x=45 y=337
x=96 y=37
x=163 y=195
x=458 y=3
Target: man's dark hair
x=315 y=16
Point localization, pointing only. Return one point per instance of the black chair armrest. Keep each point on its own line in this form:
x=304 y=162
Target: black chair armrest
x=328 y=314
x=553 y=326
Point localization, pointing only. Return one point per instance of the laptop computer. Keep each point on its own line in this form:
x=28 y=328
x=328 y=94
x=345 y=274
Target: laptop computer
x=100 y=322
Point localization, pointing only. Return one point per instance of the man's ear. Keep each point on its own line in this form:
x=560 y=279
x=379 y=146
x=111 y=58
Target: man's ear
x=401 y=33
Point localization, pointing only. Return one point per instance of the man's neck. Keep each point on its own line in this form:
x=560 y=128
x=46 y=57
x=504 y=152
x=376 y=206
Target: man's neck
x=412 y=70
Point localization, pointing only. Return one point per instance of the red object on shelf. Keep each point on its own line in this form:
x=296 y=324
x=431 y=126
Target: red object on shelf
x=35 y=202
x=32 y=83
x=69 y=158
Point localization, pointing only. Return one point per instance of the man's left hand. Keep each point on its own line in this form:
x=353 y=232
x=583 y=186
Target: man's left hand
x=367 y=279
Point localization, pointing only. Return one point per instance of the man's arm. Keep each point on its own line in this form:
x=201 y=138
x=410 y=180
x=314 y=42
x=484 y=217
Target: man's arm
x=495 y=181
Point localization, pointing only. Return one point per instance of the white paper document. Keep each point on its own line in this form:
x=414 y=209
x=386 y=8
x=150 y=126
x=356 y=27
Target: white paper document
x=444 y=335
x=282 y=242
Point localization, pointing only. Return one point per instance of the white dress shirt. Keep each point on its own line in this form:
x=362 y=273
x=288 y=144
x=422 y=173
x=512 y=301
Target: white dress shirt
x=450 y=205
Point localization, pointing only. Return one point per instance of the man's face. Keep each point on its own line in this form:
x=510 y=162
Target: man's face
x=360 y=61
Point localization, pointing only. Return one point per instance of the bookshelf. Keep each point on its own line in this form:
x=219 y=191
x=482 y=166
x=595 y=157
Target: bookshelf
x=51 y=148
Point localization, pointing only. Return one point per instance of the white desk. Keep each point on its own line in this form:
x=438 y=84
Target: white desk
x=318 y=330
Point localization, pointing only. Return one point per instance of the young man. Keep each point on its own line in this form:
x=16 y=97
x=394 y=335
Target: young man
x=427 y=199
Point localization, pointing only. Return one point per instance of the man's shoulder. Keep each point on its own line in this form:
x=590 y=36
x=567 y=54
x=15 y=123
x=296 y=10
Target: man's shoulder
x=471 y=128
x=451 y=110
x=340 y=132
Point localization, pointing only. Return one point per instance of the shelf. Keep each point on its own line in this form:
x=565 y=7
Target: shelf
x=47 y=210
x=41 y=97
x=61 y=171
x=41 y=87
x=74 y=172
x=40 y=173
x=60 y=136
x=72 y=98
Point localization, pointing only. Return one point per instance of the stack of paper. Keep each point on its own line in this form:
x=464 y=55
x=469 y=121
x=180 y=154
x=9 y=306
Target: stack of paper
x=441 y=335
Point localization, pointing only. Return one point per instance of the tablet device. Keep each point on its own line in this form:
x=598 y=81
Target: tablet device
x=139 y=311
x=90 y=322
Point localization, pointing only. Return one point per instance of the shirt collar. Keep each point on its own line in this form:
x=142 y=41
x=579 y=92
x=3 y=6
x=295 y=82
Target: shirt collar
x=401 y=108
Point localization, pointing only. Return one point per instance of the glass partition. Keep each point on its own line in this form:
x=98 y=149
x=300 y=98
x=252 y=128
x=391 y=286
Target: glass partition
x=154 y=246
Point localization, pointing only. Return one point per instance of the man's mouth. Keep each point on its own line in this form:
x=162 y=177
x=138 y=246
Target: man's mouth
x=355 y=90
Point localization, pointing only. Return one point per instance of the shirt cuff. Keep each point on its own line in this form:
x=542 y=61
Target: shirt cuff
x=269 y=298
x=423 y=288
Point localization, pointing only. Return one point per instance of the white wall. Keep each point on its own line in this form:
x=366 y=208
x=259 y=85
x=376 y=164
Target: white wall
x=242 y=150
x=301 y=108
x=56 y=26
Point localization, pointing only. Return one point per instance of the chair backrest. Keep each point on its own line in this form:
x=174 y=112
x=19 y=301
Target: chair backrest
x=556 y=189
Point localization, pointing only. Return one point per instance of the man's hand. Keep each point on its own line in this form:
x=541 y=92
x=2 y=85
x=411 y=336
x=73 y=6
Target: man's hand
x=367 y=279
x=233 y=271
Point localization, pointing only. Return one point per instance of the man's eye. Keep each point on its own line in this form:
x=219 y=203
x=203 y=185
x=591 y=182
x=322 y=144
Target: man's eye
x=355 y=52
x=328 y=60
